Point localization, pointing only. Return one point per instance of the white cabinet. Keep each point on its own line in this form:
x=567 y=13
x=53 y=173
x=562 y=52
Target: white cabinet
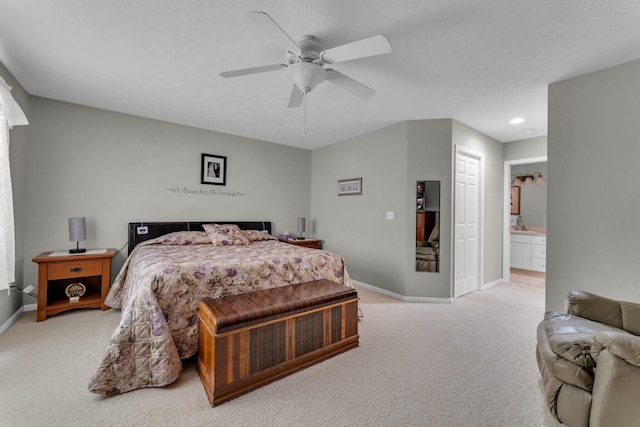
x=539 y=253
x=529 y=252
x=521 y=252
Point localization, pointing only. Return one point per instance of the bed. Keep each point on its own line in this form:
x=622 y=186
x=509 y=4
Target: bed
x=169 y=270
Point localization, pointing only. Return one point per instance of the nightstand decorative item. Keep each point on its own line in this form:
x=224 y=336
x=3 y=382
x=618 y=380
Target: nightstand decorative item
x=68 y=281
x=285 y=236
x=74 y=291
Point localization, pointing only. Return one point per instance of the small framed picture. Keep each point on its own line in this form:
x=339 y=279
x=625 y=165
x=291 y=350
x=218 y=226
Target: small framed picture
x=214 y=170
x=349 y=187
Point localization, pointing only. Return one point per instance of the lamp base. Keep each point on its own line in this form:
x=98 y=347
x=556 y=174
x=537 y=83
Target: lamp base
x=77 y=251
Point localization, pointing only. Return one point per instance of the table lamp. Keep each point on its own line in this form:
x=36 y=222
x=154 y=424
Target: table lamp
x=300 y=228
x=77 y=233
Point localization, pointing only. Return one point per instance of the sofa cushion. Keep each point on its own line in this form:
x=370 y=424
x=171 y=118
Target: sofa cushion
x=594 y=307
x=571 y=337
x=560 y=370
x=624 y=345
x=630 y=317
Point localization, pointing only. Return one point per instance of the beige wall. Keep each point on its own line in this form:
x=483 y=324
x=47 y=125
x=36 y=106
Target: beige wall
x=115 y=168
x=525 y=148
x=356 y=226
x=9 y=304
x=593 y=198
x=380 y=252
x=429 y=147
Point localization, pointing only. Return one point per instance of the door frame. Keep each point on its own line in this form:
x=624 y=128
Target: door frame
x=459 y=149
x=506 y=211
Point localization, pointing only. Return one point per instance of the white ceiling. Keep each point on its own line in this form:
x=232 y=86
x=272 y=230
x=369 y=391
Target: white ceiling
x=481 y=62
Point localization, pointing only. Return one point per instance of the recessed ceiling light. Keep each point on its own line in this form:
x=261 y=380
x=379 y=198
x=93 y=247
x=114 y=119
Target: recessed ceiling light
x=517 y=121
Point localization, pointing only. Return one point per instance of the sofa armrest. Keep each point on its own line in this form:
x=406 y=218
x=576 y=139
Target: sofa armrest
x=595 y=307
x=616 y=384
x=623 y=345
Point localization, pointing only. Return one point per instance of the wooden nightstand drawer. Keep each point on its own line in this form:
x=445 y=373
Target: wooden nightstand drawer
x=73 y=269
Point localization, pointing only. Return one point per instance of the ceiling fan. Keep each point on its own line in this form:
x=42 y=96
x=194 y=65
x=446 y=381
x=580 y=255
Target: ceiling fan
x=306 y=61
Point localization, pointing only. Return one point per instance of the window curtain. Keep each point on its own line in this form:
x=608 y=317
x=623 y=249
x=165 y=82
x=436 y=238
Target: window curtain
x=10 y=115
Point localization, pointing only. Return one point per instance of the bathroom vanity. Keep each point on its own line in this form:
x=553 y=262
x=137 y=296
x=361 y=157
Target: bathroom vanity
x=529 y=250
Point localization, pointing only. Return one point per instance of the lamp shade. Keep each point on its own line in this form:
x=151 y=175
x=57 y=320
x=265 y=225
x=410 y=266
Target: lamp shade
x=307 y=75
x=301 y=225
x=77 y=229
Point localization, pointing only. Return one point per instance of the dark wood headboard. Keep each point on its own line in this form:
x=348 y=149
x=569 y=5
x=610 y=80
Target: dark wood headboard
x=157 y=229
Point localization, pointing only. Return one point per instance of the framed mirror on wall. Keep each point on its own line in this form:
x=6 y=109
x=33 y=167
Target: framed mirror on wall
x=428 y=226
x=515 y=200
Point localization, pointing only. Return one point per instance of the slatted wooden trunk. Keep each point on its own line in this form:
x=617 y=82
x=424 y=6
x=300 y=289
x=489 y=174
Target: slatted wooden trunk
x=249 y=340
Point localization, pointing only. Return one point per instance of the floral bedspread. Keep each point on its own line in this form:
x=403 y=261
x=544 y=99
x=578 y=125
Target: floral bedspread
x=159 y=289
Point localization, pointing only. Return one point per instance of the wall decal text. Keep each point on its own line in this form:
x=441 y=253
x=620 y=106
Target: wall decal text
x=206 y=191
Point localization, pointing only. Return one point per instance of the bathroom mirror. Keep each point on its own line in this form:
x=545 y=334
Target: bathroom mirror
x=428 y=226
x=515 y=200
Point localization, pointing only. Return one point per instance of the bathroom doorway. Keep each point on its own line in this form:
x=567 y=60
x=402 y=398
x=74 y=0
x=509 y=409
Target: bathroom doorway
x=524 y=245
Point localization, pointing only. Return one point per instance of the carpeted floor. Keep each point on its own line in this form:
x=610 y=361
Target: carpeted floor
x=471 y=363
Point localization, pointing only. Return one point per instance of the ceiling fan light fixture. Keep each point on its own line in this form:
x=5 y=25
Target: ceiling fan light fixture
x=306 y=60
x=307 y=75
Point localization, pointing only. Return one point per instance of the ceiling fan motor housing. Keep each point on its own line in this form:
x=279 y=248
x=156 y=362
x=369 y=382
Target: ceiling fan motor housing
x=309 y=50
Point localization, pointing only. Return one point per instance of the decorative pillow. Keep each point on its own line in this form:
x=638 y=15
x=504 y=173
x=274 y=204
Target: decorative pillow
x=225 y=234
x=184 y=238
x=257 y=235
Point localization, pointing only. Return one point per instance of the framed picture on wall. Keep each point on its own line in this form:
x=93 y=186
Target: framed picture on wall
x=515 y=200
x=349 y=187
x=214 y=169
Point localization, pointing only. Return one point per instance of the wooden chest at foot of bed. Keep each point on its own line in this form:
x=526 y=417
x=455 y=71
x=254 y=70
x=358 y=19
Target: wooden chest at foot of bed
x=249 y=340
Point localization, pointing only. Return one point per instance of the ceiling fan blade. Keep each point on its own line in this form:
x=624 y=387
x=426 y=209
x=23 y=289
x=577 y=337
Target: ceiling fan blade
x=270 y=26
x=295 y=100
x=376 y=45
x=252 y=70
x=350 y=85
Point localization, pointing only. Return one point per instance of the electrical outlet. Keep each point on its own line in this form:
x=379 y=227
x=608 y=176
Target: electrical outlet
x=28 y=289
x=389 y=215
x=142 y=230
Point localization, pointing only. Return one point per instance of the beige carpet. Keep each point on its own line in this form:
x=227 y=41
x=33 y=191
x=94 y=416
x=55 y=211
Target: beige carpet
x=471 y=363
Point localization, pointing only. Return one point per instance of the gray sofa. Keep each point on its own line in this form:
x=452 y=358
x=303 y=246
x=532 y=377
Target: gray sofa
x=589 y=359
x=428 y=252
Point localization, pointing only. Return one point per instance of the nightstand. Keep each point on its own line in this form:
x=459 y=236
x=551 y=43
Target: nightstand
x=58 y=270
x=307 y=243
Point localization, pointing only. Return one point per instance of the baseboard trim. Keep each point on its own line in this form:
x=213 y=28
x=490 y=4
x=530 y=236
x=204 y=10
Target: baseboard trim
x=491 y=284
x=11 y=320
x=528 y=272
x=403 y=297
